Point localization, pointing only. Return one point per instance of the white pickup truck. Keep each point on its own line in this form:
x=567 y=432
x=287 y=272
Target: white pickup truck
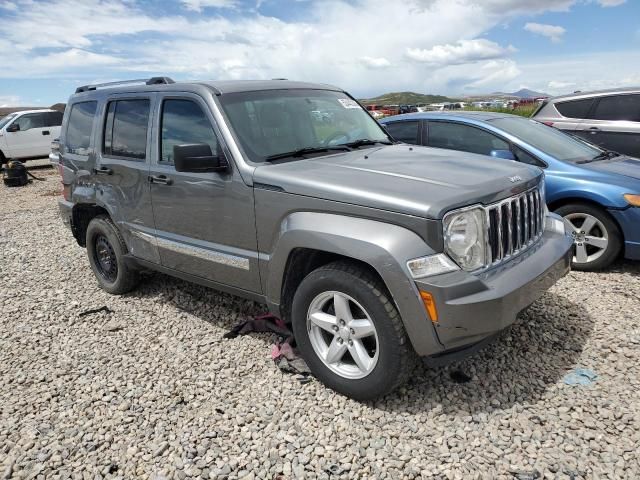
x=28 y=134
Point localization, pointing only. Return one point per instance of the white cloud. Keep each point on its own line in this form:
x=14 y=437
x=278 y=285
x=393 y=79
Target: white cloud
x=10 y=101
x=556 y=85
x=463 y=51
x=439 y=48
x=611 y=3
x=552 y=32
x=199 y=5
x=375 y=62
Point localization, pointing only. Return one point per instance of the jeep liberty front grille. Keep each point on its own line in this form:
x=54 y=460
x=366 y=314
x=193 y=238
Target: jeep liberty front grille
x=514 y=225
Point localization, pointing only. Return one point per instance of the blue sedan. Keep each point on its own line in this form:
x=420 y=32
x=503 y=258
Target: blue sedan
x=595 y=190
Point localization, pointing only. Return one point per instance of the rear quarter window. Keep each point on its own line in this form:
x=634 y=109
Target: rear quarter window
x=79 y=127
x=575 y=108
x=406 y=132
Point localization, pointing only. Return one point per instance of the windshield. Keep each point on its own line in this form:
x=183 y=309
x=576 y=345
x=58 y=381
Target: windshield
x=7 y=119
x=547 y=139
x=271 y=123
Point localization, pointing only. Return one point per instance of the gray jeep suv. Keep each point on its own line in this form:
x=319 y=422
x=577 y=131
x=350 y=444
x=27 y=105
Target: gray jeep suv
x=290 y=194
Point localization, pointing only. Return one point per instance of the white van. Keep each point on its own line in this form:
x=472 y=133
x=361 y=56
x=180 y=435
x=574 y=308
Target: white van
x=28 y=134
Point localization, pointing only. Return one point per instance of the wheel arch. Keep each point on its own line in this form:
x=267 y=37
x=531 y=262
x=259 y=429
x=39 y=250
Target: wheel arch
x=561 y=202
x=308 y=240
x=82 y=214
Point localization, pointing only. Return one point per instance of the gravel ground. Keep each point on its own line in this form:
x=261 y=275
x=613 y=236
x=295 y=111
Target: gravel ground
x=152 y=390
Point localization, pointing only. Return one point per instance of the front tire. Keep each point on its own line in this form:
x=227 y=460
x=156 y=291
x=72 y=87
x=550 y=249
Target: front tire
x=106 y=250
x=597 y=238
x=350 y=333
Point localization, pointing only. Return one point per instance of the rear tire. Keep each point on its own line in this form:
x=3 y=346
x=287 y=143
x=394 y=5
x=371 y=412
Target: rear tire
x=106 y=250
x=369 y=327
x=597 y=238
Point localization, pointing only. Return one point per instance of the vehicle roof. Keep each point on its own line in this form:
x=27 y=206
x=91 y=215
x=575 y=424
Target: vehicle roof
x=451 y=115
x=38 y=110
x=591 y=93
x=219 y=87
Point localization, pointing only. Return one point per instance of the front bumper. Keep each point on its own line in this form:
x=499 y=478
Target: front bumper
x=474 y=307
x=629 y=221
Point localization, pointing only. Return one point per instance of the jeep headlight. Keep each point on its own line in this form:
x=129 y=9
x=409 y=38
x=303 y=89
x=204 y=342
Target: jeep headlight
x=464 y=238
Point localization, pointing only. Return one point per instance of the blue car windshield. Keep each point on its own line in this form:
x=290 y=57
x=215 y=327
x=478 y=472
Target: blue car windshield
x=547 y=139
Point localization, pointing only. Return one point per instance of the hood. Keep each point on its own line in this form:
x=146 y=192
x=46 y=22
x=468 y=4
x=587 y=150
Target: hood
x=626 y=166
x=420 y=181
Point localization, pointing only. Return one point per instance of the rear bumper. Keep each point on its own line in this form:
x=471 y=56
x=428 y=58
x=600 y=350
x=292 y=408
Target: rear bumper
x=474 y=307
x=66 y=212
x=629 y=221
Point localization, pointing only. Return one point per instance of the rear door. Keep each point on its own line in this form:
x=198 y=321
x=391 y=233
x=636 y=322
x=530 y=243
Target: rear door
x=30 y=139
x=614 y=124
x=122 y=169
x=572 y=114
x=204 y=221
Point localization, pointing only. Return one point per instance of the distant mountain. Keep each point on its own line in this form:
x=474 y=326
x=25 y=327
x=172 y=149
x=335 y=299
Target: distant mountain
x=405 y=98
x=522 y=93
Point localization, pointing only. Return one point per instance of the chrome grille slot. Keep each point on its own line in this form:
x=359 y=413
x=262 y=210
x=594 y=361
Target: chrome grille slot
x=514 y=224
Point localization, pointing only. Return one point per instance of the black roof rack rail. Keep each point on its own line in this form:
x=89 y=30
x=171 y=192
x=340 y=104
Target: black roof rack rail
x=149 y=81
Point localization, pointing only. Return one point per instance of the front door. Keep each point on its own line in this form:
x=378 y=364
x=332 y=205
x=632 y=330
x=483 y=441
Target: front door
x=204 y=221
x=31 y=139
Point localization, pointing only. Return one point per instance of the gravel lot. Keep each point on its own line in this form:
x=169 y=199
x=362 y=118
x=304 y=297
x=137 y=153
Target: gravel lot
x=152 y=390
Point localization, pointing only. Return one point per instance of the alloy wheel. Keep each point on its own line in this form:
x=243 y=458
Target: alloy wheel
x=589 y=236
x=343 y=335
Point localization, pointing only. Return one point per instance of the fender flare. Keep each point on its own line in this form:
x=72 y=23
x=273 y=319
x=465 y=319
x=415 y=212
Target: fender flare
x=385 y=247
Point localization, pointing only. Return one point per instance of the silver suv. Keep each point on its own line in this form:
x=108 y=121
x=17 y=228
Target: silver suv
x=608 y=118
x=290 y=194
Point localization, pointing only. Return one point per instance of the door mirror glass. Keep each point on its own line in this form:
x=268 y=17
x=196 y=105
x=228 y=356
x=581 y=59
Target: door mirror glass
x=14 y=127
x=196 y=158
x=505 y=154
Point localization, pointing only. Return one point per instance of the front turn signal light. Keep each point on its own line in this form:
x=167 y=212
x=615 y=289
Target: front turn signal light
x=632 y=199
x=429 y=305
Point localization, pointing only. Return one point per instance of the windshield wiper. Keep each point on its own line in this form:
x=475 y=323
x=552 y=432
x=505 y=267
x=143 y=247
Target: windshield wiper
x=303 y=151
x=604 y=155
x=366 y=141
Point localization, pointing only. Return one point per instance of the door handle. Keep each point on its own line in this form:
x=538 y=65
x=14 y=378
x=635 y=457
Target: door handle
x=103 y=171
x=593 y=130
x=45 y=132
x=160 y=179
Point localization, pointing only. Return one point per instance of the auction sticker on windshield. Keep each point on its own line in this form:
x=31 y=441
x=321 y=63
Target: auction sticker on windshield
x=348 y=103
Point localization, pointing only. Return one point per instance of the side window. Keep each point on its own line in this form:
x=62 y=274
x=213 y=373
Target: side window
x=54 y=119
x=31 y=120
x=575 y=108
x=404 y=131
x=79 y=126
x=618 y=107
x=525 y=157
x=184 y=122
x=456 y=136
x=125 y=130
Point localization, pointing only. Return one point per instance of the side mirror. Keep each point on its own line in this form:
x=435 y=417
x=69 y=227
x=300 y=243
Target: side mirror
x=14 y=127
x=197 y=158
x=504 y=154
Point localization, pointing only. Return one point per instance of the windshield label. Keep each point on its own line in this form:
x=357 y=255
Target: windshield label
x=348 y=103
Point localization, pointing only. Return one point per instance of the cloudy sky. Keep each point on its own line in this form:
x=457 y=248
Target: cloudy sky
x=369 y=47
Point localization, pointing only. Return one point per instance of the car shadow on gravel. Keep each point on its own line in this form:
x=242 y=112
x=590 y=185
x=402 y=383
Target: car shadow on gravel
x=519 y=366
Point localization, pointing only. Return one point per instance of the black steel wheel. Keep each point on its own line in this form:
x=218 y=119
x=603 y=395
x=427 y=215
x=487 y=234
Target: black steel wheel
x=106 y=251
